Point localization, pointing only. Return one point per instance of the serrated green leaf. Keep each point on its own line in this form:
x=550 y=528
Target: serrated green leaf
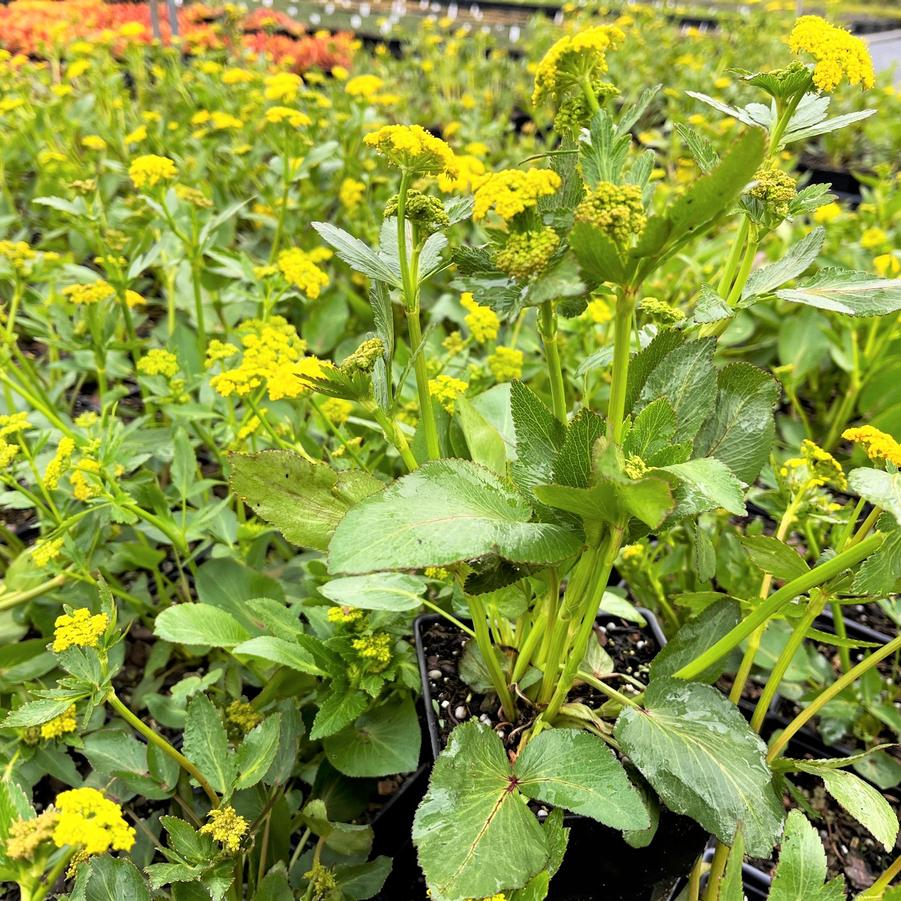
x=598 y=256
x=377 y=591
x=847 y=291
x=445 y=512
x=793 y=264
x=33 y=713
x=539 y=436
x=199 y=624
x=381 y=742
x=341 y=705
x=305 y=501
x=114 y=879
x=283 y=652
x=699 y=754
x=708 y=483
x=801 y=870
x=206 y=744
x=882 y=489
x=355 y=253
x=577 y=771
x=772 y=556
x=256 y=752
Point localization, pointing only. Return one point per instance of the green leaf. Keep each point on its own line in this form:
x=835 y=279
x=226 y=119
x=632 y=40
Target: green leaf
x=302 y=499
x=274 y=886
x=687 y=379
x=341 y=705
x=772 y=556
x=445 y=512
x=651 y=430
x=708 y=484
x=206 y=744
x=226 y=583
x=860 y=799
x=801 y=870
x=539 y=436
x=33 y=713
x=573 y=462
x=794 y=263
x=474 y=833
x=695 y=637
x=702 y=151
x=363 y=880
x=486 y=445
x=598 y=256
x=646 y=361
x=377 y=591
x=732 y=887
x=343 y=838
x=14 y=805
x=355 y=253
x=381 y=742
x=114 y=879
x=847 y=291
x=701 y=757
x=257 y=751
x=710 y=307
x=740 y=429
x=283 y=652
x=186 y=841
x=577 y=771
x=882 y=489
x=199 y=624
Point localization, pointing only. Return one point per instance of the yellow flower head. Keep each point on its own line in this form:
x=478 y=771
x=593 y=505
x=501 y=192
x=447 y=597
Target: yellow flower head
x=45 y=551
x=86 y=295
x=412 y=148
x=26 y=835
x=60 y=462
x=574 y=59
x=344 y=615
x=282 y=86
x=59 y=725
x=446 y=389
x=828 y=212
x=878 y=445
x=299 y=269
x=470 y=174
x=888 y=265
x=505 y=363
x=838 y=54
x=79 y=629
x=276 y=115
x=227 y=827
x=158 y=362
x=527 y=254
x=93 y=142
x=92 y=822
x=873 y=238
x=364 y=86
x=511 y=191
x=336 y=410
x=351 y=193
x=814 y=468
x=218 y=350
x=482 y=321
x=237 y=76
x=375 y=650
x=148 y=170
x=13 y=423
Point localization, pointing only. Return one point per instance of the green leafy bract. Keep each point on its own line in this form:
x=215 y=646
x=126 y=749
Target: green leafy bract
x=801 y=871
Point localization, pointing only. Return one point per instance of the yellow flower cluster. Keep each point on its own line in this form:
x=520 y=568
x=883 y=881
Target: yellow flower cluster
x=299 y=269
x=446 y=389
x=83 y=488
x=837 y=52
x=511 y=191
x=282 y=86
x=344 y=615
x=878 y=445
x=148 y=170
x=482 y=321
x=93 y=142
x=18 y=253
x=526 y=254
x=78 y=629
x=26 y=835
x=336 y=410
x=815 y=467
x=227 y=827
x=351 y=193
x=364 y=86
x=273 y=356
x=505 y=363
x=59 y=725
x=887 y=265
x=617 y=210
x=218 y=350
x=471 y=173
x=13 y=423
x=243 y=715
x=574 y=59
x=45 y=551
x=85 y=295
x=872 y=238
x=8 y=453
x=91 y=821
x=158 y=361
x=276 y=115
x=774 y=188
x=600 y=310
x=375 y=650
x=60 y=462
x=412 y=148
x=220 y=121
x=237 y=75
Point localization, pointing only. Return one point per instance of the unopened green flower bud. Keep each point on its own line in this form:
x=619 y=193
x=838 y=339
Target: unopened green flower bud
x=423 y=210
x=617 y=210
x=775 y=189
x=526 y=254
x=364 y=358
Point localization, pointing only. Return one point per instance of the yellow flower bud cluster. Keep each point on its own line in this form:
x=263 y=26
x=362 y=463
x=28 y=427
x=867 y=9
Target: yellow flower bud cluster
x=79 y=629
x=227 y=827
x=838 y=54
x=242 y=715
x=574 y=58
x=512 y=191
x=526 y=254
x=505 y=363
x=446 y=389
x=26 y=835
x=345 y=616
x=878 y=445
x=299 y=269
x=482 y=321
x=88 y=820
x=85 y=295
x=158 y=362
x=423 y=210
x=775 y=189
x=412 y=148
x=45 y=551
x=148 y=170
x=60 y=462
x=616 y=210
x=375 y=650
x=815 y=468
x=59 y=725
x=364 y=358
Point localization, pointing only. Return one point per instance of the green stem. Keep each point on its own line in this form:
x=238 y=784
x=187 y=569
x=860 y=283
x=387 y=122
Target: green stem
x=605 y=689
x=547 y=328
x=394 y=434
x=50 y=879
x=725 y=283
x=837 y=687
x=483 y=640
x=838 y=617
x=449 y=617
x=622 y=343
x=156 y=739
x=742 y=278
x=174 y=535
x=796 y=639
x=876 y=891
x=717 y=868
x=426 y=411
x=198 y=304
x=270 y=689
x=773 y=604
x=14 y=598
x=524 y=655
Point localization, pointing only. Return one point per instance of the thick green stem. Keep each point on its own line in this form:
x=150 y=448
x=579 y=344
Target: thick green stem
x=483 y=640
x=524 y=656
x=837 y=687
x=725 y=283
x=393 y=433
x=773 y=604
x=50 y=879
x=838 y=617
x=14 y=598
x=156 y=739
x=717 y=868
x=814 y=609
x=622 y=344
x=198 y=305
x=547 y=328
x=876 y=891
x=426 y=411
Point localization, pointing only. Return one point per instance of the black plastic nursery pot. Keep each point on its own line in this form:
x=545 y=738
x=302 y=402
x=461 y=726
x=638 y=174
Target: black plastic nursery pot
x=599 y=865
